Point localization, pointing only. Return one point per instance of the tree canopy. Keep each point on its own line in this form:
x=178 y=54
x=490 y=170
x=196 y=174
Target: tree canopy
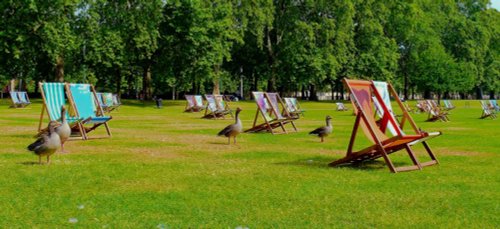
x=169 y=48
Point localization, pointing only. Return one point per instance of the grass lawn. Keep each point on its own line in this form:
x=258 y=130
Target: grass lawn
x=167 y=169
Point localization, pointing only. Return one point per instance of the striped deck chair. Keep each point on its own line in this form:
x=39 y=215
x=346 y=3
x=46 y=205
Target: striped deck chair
x=214 y=109
x=107 y=102
x=83 y=99
x=194 y=103
x=223 y=104
x=269 y=115
x=53 y=98
x=293 y=107
x=487 y=111
x=275 y=103
x=363 y=93
x=448 y=105
x=494 y=105
x=341 y=107
x=435 y=112
x=116 y=101
x=100 y=99
x=14 y=98
x=23 y=98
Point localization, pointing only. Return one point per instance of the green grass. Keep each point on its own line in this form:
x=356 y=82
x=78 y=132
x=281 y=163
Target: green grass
x=166 y=168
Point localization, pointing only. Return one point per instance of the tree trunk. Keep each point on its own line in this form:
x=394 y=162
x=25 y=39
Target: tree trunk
x=479 y=92
x=492 y=94
x=312 y=95
x=405 y=88
x=60 y=69
x=146 y=82
x=216 y=81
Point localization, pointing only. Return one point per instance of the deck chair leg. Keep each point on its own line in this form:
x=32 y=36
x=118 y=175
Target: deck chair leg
x=283 y=128
x=387 y=160
x=353 y=134
x=107 y=129
x=429 y=151
x=412 y=157
x=41 y=118
x=294 y=127
x=83 y=133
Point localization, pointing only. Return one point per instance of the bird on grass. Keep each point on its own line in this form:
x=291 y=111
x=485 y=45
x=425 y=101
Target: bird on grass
x=323 y=131
x=232 y=130
x=47 y=144
x=61 y=128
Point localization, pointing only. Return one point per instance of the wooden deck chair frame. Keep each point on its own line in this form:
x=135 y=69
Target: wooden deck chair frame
x=293 y=107
x=275 y=102
x=382 y=144
x=270 y=123
x=213 y=109
x=89 y=120
x=487 y=111
x=435 y=113
x=75 y=125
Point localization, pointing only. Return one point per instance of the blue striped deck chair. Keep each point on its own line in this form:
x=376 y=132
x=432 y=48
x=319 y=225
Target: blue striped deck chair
x=83 y=99
x=53 y=98
x=487 y=111
x=14 y=98
x=105 y=100
x=293 y=107
x=212 y=109
x=269 y=116
x=448 y=105
x=494 y=105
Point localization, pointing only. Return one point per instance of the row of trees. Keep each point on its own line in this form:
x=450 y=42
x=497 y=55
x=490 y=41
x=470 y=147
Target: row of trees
x=170 y=47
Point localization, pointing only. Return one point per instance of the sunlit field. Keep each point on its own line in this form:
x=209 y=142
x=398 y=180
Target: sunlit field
x=164 y=168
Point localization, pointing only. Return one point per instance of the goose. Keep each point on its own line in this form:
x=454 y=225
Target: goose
x=324 y=130
x=47 y=144
x=232 y=130
x=62 y=129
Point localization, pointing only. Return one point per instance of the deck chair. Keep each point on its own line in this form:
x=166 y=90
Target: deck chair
x=494 y=105
x=216 y=107
x=448 y=105
x=363 y=93
x=407 y=107
x=116 y=101
x=53 y=98
x=23 y=98
x=275 y=103
x=293 y=107
x=14 y=98
x=223 y=105
x=341 y=107
x=487 y=111
x=108 y=100
x=83 y=99
x=194 y=103
x=435 y=112
x=268 y=115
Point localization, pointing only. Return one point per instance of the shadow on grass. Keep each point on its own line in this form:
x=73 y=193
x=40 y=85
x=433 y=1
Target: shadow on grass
x=321 y=162
x=30 y=163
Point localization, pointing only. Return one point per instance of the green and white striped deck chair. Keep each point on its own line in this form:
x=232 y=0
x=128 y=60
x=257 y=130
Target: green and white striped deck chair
x=494 y=105
x=105 y=100
x=275 y=102
x=448 y=105
x=84 y=101
x=487 y=111
x=53 y=98
x=212 y=110
x=270 y=122
x=293 y=107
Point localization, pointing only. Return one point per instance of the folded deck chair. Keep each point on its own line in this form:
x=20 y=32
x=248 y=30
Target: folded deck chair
x=275 y=103
x=487 y=111
x=293 y=107
x=435 y=112
x=83 y=99
x=341 y=107
x=448 y=105
x=363 y=94
x=53 y=98
x=194 y=103
x=269 y=116
x=494 y=105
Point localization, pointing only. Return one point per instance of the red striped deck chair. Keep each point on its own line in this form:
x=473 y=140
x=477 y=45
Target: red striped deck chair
x=363 y=94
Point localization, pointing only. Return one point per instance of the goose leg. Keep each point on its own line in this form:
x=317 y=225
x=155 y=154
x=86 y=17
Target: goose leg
x=321 y=139
x=62 y=148
x=48 y=160
x=229 y=140
x=234 y=139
